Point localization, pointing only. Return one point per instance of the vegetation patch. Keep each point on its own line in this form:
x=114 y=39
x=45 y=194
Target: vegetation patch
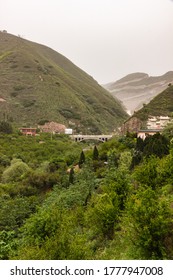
x=65 y=200
x=57 y=84
x=28 y=103
x=19 y=87
x=5 y=54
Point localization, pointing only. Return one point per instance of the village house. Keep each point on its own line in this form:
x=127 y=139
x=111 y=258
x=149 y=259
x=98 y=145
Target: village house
x=133 y=124
x=157 y=122
x=28 y=131
x=143 y=133
x=154 y=125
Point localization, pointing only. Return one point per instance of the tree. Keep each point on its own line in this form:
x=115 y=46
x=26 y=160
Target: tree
x=117 y=182
x=147 y=173
x=156 y=145
x=139 y=144
x=168 y=130
x=95 y=153
x=81 y=159
x=136 y=159
x=5 y=127
x=15 y=171
x=102 y=214
x=113 y=158
x=4 y=160
x=149 y=225
x=7 y=244
x=71 y=176
x=125 y=160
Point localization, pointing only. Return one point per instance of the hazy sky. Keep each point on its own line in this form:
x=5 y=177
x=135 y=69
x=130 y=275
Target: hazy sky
x=106 y=38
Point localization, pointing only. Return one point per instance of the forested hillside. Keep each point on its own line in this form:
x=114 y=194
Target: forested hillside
x=38 y=84
x=66 y=200
x=161 y=105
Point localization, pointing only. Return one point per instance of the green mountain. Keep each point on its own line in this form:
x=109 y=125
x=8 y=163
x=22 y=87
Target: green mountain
x=138 y=88
x=38 y=84
x=161 y=105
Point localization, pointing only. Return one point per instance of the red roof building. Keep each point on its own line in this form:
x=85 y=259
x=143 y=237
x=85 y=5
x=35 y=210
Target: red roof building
x=28 y=131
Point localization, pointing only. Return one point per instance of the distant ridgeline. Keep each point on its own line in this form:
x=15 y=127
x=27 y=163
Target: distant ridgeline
x=154 y=115
x=161 y=105
x=137 y=89
x=39 y=85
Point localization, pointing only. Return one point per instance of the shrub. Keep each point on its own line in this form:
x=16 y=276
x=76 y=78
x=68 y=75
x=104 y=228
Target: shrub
x=18 y=87
x=4 y=160
x=5 y=127
x=15 y=171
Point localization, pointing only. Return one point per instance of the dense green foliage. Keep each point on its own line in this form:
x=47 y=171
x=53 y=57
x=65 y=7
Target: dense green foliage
x=39 y=84
x=65 y=200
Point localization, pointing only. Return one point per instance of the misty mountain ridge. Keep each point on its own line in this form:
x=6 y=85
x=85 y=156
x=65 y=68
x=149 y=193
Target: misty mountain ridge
x=160 y=105
x=137 y=89
x=38 y=83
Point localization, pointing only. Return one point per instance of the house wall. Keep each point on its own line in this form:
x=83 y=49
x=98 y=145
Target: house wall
x=158 y=122
x=131 y=125
x=28 y=131
x=144 y=134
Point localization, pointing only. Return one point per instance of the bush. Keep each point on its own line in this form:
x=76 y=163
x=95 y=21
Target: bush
x=4 y=160
x=5 y=127
x=42 y=180
x=149 y=224
x=15 y=171
x=18 y=87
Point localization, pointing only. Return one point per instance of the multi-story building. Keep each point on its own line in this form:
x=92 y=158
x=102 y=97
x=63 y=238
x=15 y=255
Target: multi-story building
x=157 y=122
x=28 y=131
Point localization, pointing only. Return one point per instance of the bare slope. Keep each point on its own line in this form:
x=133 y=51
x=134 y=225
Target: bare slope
x=39 y=84
x=138 y=88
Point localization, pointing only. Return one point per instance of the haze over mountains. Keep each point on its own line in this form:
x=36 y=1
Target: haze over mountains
x=137 y=89
x=160 y=105
x=38 y=84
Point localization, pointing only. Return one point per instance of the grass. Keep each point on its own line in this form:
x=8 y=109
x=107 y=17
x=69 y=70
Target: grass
x=4 y=55
x=46 y=85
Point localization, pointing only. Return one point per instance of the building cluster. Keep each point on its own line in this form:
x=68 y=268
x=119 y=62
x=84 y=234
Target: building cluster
x=154 y=125
x=158 y=122
x=49 y=127
x=133 y=125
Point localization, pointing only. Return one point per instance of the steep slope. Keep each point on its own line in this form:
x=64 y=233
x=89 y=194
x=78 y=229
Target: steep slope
x=37 y=84
x=138 y=88
x=161 y=105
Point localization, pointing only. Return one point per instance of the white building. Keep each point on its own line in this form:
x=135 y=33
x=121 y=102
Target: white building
x=157 y=122
x=143 y=133
x=69 y=131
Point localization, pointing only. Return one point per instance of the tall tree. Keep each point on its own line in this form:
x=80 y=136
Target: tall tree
x=95 y=153
x=71 y=176
x=81 y=159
